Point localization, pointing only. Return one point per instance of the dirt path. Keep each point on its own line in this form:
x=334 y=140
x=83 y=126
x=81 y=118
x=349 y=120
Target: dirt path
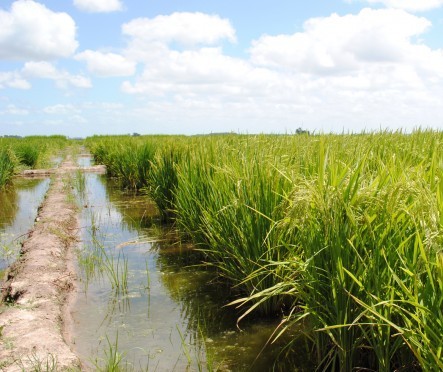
x=34 y=295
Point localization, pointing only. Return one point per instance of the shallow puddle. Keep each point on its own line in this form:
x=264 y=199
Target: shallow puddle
x=18 y=209
x=141 y=294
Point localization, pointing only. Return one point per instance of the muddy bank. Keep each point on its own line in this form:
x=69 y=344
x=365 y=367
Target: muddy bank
x=37 y=285
x=68 y=167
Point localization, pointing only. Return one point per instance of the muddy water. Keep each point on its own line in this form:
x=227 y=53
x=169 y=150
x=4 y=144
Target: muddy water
x=169 y=315
x=18 y=210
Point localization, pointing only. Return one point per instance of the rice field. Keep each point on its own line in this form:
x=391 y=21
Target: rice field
x=27 y=153
x=340 y=235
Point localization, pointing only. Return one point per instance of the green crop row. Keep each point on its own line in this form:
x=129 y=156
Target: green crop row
x=340 y=233
x=27 y=152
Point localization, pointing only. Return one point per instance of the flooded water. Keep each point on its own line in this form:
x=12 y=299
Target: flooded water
x=18 y=209
x=142 y=295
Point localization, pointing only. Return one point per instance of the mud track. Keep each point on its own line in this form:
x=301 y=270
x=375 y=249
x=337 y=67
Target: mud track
x=33 y=313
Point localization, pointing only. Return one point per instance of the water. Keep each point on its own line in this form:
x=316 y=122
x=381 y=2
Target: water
x=18 y=210
x=84 y=160
x=172 y=315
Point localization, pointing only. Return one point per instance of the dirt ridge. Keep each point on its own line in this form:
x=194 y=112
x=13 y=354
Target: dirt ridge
x=37 y=286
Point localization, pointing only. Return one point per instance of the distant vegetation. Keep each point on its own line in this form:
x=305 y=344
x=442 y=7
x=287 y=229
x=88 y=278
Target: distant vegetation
x=28 y=152
x=342 y=234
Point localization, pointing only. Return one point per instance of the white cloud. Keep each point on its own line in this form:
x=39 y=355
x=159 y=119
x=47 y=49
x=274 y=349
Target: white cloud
x=61 y=109
x=371 y=50
x=78 y=119
x=197 y=65
x=103 y=106
x=63 y=79
x=99 y=6
x=32 y=31
x=353 y=71
x=187 y=29
x=40 y=70
x=206 y=71
x=13 y=80
x=340 y=44
x=106 y=64
x=12 y=109
x=410 y=5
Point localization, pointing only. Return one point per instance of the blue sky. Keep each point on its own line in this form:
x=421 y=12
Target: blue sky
x=84 y=67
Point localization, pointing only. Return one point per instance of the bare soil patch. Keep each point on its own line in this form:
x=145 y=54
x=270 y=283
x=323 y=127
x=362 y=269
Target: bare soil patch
x=32 y=313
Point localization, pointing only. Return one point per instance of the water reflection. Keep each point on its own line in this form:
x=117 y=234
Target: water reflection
x=172 y=315
x=84 y=160
x=18 y=210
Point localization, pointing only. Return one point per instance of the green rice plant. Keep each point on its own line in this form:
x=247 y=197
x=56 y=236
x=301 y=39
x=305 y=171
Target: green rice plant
x=34 y=151
x=6 y=167
x=28 y=154
x=128 y=160
x=116 y=269
x=96 y=260
x=363 y=273
x=113 y=360
x=341 y=233
x=162 y=181
x=229 y=208
x=36 y=363
x=79 y=183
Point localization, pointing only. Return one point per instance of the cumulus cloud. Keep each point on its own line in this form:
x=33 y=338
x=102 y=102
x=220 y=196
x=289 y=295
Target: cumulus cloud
x=186 y=29
x=182 y=52
x=14 y=110
x=202 y=71
x=32 y=31
x=61 y=109
x=371 y=50
x=106 y=64
x=410 y=5
x=63 y=79
x=99 y=6
x=365 y=68
x=13 y=80
x=338 y=44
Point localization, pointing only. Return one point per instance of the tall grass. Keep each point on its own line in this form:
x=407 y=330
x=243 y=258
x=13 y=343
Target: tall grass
x=340 y=233
x=364 y=272
x=147 y=165
x=6 y=167
x=229 y=206
x=26 y=152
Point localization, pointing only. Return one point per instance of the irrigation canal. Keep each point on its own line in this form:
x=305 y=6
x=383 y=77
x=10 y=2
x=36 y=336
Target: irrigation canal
x=140 y=292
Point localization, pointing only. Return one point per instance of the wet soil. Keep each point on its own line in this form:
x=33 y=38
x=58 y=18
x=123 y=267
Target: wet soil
x=34 y=295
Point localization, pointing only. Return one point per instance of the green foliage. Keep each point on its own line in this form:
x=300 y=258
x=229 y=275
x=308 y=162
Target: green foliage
x=6 y=167
x=341 y=233
x=28 y=154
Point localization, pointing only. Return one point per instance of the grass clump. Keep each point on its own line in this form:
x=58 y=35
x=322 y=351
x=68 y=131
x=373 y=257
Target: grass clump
x=28 y=154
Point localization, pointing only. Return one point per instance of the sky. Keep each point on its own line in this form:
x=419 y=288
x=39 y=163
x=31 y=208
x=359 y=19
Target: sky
x=85 y=67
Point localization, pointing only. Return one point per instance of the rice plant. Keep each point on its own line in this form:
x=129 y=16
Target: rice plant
x=6 y=167
x=28 y=154
x=340 y=234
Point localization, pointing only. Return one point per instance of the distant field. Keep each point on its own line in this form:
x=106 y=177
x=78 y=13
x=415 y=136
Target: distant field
x=27 y=152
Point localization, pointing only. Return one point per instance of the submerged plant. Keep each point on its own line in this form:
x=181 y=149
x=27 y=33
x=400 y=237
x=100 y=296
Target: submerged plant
x=113 y=359
x=79 y=181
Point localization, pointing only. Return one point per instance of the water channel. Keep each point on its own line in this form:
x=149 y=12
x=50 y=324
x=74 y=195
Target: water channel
x=18 y=209
x=142 y=294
